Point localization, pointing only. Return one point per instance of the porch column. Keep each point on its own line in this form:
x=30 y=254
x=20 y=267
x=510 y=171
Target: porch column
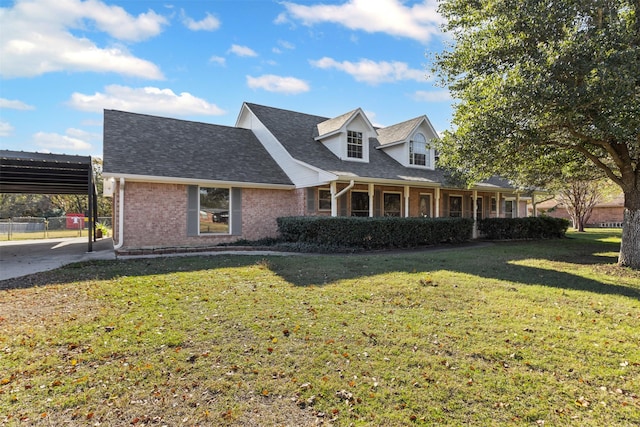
x=334 y=200
x=437 y=213
x=517 y=214
x=498 y=204
x=371 y=193
x=474 y=197
x=534 y=210
x=406 y=201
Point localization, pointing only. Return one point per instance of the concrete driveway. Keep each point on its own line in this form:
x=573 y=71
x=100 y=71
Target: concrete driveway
x=23 y=257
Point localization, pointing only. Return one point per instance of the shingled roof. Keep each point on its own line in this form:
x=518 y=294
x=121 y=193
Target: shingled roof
x=296 y=132
x=332 y=125
x=138 y=144
x=398 y=132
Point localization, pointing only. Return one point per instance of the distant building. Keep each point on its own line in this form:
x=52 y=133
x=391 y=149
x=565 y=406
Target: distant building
x=606 y=214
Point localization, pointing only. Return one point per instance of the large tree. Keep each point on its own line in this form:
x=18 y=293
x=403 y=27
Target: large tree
x=539 y=82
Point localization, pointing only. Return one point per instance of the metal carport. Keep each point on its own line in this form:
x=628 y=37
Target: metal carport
x=44 y=173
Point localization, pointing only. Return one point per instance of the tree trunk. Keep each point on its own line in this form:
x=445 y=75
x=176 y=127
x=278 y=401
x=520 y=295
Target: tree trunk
x=630 y=246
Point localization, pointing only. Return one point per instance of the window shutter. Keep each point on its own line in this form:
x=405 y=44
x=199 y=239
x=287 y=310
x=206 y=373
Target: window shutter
x=193 y=199
x=236 y=211
x=377 y=202
x=311 y=200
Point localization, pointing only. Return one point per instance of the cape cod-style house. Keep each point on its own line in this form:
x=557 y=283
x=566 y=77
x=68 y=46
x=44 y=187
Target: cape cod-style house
x=180 y=184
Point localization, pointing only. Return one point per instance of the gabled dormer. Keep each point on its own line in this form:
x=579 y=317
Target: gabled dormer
x=347 y=136
x=409 y=143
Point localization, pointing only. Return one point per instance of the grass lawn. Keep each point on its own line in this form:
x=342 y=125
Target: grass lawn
x=525 y=333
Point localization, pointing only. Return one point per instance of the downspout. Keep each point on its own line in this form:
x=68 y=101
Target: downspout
x=334 y=201
x=120 y=216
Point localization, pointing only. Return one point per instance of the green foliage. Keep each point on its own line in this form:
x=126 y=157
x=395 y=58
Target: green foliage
x=375 y=233
x=542 y=82
x=542 y=227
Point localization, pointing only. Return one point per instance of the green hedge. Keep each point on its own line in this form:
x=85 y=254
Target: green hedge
x=542 y=227
x=375 y=233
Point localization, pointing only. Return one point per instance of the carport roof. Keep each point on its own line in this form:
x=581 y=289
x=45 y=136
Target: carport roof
x=44 y=173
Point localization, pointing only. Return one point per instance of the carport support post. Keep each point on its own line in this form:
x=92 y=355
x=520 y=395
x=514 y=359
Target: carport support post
x=91 y=231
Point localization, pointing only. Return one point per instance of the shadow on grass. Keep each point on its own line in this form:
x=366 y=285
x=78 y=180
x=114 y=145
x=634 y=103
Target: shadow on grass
x=500 y=261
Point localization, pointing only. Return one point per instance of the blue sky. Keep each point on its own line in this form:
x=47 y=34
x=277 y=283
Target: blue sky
x=63 y=61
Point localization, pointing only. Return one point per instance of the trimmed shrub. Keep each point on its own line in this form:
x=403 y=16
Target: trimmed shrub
x=375 y=233
x=542 y=227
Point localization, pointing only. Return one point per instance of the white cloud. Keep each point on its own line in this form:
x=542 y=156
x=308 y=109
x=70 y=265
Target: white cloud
x=432 y=96
x=149 y=100
x=372 y=72
x=218 y=60
x=286 y=45
x=208 y=23
x=283 y=44
x=73 y=140
x=273 y=83
x=5 y=128
x=15 y=104
x=372 y=116
x=242 y=50
x=37 y=38
x=419 y=22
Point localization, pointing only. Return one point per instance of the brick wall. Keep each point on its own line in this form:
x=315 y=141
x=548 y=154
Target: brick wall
x=156 y=215
x=599 y=215
x=261 y=208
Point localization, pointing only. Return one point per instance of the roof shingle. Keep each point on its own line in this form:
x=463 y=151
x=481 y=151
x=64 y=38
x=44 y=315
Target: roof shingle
x=139 y=144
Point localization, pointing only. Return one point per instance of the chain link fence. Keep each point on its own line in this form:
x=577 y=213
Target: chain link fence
x=24 y=228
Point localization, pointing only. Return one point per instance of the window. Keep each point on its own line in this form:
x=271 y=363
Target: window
x=359 y=203
x=425 y=205
x=479 y=207
x=354 y=144
x=508 y=209
x=418 y=150
x=392 y=204
x=494 y=204
x=455 y=206
x=324 y=199
x=214 y=210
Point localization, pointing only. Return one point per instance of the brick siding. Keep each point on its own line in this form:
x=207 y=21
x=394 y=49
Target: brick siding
x=156 y=215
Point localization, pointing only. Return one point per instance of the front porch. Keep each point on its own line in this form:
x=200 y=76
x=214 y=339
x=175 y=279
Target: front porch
x=380 y=199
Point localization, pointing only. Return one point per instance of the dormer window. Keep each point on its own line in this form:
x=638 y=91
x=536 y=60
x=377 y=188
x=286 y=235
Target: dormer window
x=418 y=150
x=354 y=144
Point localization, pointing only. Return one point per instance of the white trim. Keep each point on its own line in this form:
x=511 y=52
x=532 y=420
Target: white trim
x=300 y=173
x=191 y=181
x=319 y=138
x=318 y=190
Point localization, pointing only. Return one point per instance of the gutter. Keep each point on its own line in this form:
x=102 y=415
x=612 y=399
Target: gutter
x=334 y=197
x=345 y=189
x=120 y=216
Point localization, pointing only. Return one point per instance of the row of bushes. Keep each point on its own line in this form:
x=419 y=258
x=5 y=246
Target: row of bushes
x=391 y=232
x=542 y=227
x=375 y=233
